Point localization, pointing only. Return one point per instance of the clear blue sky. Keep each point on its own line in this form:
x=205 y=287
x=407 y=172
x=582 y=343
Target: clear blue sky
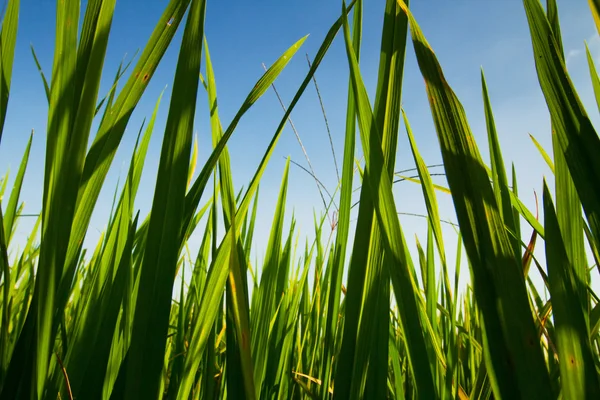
x=466 y=35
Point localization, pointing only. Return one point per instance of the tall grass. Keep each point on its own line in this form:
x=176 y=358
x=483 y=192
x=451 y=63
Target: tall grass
x=101 y=323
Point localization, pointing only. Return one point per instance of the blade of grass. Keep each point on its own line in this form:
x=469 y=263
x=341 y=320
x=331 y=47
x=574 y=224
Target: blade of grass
x=8 y=40
x=13 y=201
x=343 y=227
x=501 y=190
x=514 y=360
x=579 y=378
x=153 y=304
x=568 y=205
x=573 y=129
x=381 y=192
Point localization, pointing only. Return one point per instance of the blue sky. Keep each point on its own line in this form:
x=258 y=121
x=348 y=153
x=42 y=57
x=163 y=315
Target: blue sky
x=466 y=35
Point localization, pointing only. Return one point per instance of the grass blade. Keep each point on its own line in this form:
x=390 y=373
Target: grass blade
x=13 y=201
x=8 y=40
x=381 y=191
x=497 y=274
x=579 y=378
x=153 y=304
x=576 y=136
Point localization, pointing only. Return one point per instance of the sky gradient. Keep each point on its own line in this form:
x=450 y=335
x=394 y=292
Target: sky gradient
x=466 y=35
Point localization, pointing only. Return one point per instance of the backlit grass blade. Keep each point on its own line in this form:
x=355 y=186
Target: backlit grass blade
x=595 y=7
x=270 y=294
x=29 y=364
x=497 y=275
x=428 y=192
x=568 y=206
x=579 y=378
x=499 y=178
x=218 y=273
x=238 y=336
x=593 y=75
x=95 y=327
x=381 y=192
x=343 y=226
x=105 y=144
x=13 y=201
x=195 y=192
x=578 y=140
x=8 y=39
x=42 y=75
x=386 y=112
x=543 y=153
x=153 y=304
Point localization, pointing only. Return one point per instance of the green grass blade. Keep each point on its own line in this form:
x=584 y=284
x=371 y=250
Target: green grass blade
x=42 y=75
x=217 y=276
x=153 y=304
x=575 y=134
x=381 y=192
x=268 y=297
x=498 y=277
x=112 y=128
x=6 y=295
x=568 y=206
x=343 y=226
x=543 y=153
x=13 y=201
x=8 y=41
x=579 y=378
x=500 y=181
x=595 y=8
x=387 y=116
x=428 y=192
x=593 y=75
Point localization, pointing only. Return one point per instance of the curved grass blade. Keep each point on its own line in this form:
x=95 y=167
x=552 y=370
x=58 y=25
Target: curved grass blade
x=574 y=132
x=42 y=75
x=514 y=358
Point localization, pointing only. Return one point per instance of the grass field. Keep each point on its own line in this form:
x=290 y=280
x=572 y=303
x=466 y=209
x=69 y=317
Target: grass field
x=372 y=320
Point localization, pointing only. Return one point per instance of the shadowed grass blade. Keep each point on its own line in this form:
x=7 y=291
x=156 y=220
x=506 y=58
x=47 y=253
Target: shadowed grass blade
x=579 y=378
x=568 y=206
x=500 y=181
x=157 y=274
x=497 y=274
x=574 y=132
x=6 y=294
